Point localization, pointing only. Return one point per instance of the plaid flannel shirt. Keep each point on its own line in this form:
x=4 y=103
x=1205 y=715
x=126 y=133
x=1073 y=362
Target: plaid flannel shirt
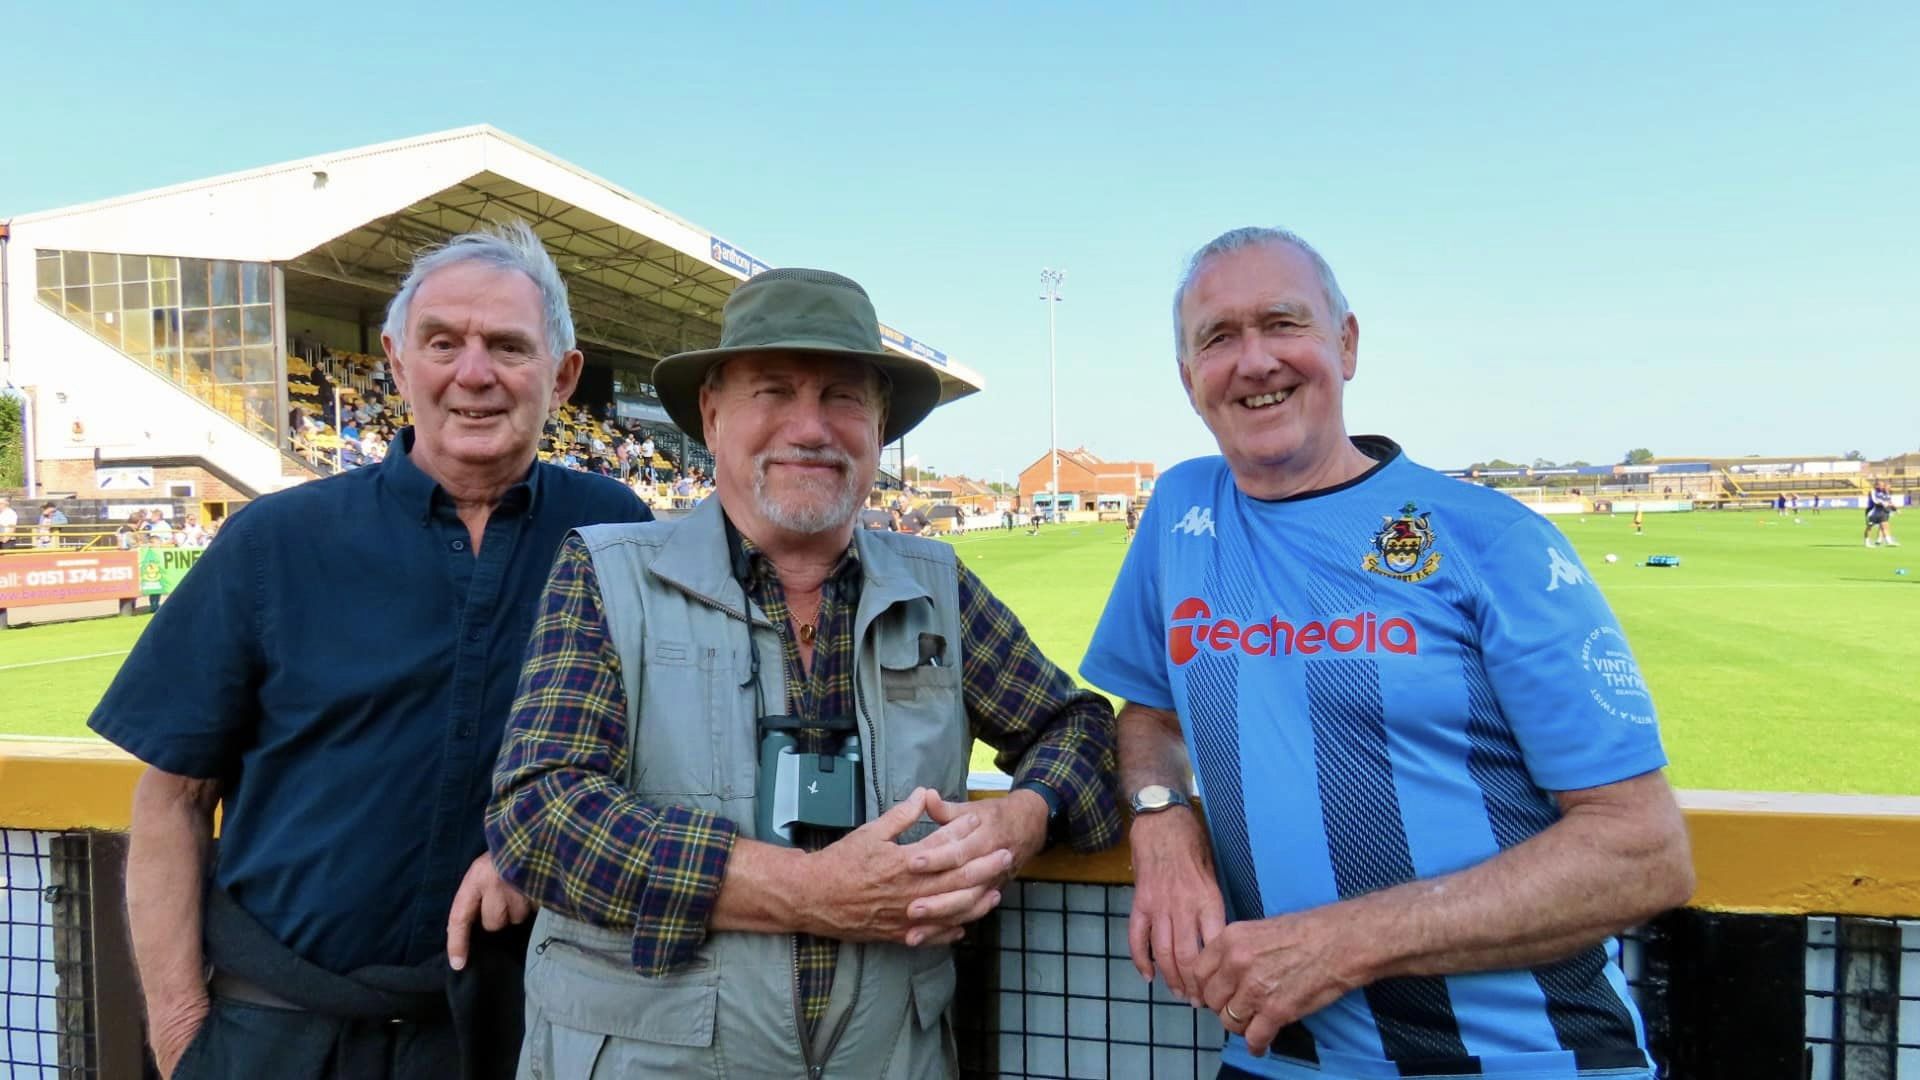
x=563 y=829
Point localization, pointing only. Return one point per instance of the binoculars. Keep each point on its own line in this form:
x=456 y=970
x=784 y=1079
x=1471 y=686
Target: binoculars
x=798 y=787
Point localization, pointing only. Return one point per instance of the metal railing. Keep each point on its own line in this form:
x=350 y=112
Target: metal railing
x=70 y=537
x=46 y=972
x=1049 y=993
x=1800 y=962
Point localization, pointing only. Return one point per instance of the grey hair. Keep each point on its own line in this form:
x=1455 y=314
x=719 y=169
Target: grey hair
x=510 y=245
x=1238 y=240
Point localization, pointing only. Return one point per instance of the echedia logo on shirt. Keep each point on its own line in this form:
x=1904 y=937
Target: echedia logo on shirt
x=1194 y=627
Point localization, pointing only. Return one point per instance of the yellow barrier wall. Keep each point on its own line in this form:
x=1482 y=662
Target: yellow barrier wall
x=1761 y=852
x=52 y=784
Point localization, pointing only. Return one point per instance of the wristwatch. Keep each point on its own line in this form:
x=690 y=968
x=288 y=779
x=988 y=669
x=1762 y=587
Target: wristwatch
x=1047 y=795
x=1157 y=797
x=1056 y=821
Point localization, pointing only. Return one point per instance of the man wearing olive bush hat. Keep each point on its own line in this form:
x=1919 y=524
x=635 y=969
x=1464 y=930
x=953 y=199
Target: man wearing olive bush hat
x=731 y=727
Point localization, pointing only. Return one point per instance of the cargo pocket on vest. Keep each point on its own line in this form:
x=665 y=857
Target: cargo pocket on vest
x=672 y=754
x=601 y=1014
x=562 y=1053
x=933 y=988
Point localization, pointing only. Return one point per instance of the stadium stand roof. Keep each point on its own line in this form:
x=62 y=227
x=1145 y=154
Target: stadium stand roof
x=344 y=225
x=1723 y=461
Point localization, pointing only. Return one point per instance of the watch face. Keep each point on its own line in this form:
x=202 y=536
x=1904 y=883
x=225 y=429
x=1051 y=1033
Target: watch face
x=1153 y=797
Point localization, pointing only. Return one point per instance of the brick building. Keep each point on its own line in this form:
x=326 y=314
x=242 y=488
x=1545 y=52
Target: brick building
x=1084 y=477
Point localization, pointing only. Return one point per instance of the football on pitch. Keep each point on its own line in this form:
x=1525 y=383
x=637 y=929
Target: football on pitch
x=1611 y=557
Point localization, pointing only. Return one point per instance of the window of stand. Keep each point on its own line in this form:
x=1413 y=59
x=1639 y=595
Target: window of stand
x=205 y=324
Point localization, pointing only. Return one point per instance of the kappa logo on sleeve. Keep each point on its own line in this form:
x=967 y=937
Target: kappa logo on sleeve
x=1562 y=570
x=1198 y=522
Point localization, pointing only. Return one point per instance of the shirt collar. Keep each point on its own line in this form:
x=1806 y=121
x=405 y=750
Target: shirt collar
x=417 y=490
x=760 y=568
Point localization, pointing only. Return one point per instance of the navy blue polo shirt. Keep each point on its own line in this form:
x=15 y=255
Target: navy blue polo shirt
x=343 y=661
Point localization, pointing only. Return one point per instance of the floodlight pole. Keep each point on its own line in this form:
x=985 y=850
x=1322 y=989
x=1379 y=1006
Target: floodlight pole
x=1051 y=278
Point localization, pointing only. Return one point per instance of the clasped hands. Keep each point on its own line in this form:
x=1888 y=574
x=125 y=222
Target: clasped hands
x=867 y=887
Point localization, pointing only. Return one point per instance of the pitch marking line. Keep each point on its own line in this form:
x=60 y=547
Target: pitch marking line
x=64 y=659
x=1745 y=586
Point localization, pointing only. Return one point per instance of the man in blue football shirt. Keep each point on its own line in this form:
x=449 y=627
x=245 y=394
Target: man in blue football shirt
x=1431 y=768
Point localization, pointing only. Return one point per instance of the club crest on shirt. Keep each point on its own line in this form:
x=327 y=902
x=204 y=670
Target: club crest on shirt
x=1403 y=548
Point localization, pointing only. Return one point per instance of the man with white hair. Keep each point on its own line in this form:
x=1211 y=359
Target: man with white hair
x=730 y=727
x=339 y=914
x=1432 y=774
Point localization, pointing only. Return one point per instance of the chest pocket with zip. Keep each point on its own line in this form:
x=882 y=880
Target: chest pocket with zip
x=673 y=737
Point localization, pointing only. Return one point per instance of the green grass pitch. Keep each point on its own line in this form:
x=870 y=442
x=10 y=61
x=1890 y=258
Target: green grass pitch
x=1779 y=653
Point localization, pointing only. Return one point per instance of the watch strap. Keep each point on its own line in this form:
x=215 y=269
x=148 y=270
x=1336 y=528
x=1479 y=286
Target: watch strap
x=1045 y=791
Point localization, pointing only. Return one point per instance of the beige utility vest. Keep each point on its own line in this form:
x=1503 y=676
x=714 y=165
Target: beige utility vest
x=679 y=621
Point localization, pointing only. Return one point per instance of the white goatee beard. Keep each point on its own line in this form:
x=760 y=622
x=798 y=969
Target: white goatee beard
x=810 y=516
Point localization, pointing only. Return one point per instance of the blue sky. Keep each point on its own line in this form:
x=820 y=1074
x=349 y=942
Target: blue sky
x=1564 y=233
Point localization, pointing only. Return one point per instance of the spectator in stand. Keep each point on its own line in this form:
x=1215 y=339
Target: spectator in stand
x=133 y=531
x=9 y=521
x=193 y=535
x=324 y=386
x=159 y=530
x=51 y=521
x=625 y=452
x=646 y=458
